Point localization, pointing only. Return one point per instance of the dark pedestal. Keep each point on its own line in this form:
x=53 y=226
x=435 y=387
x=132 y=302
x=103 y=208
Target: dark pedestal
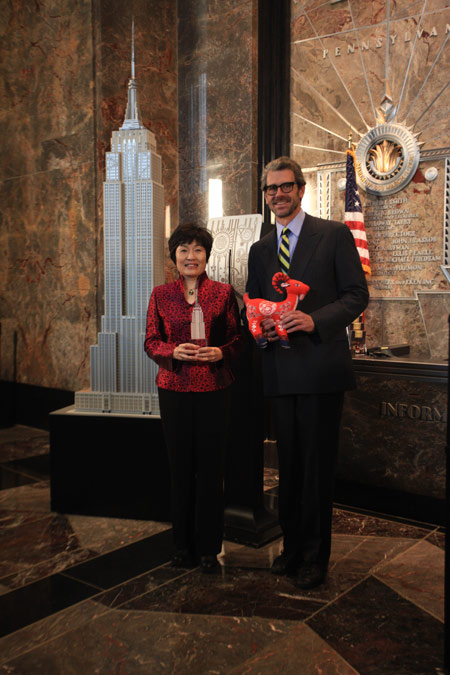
x=108 y=465
x=392 y=455
x=249 y=518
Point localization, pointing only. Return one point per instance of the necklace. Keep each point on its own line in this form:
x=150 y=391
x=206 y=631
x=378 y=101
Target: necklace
x=191 y=291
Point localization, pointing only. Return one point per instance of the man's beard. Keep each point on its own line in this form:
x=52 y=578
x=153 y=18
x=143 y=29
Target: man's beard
x=292 y=206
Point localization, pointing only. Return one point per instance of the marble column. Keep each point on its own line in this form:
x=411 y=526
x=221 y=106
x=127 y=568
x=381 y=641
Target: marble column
x=217 y=96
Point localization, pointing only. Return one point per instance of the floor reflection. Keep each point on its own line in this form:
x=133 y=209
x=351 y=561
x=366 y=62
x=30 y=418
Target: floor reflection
x=86 y=594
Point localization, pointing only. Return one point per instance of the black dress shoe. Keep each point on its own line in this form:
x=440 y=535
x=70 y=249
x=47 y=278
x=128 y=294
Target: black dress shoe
x=184 y=560
x=310 y=575
x=282 y=565
x=208 y=563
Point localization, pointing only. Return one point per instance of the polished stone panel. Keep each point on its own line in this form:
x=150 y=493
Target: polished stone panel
x=230 y=592
x=41 y=632
x=140 y=585
x=11 y=479
x=35 y=546
x=377 y=631
x=437 y=538
x=126 y=562
x=364 y=524
x=36 y=601
x=418 y=575
x=12 y=519
x=19 y=442
x=143 y=643
x=32 y=543
x=32 y=497
x=299 y=651
x=37 y=467
x=107 y=534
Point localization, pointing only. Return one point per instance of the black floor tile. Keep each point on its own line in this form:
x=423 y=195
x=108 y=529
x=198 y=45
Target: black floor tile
x=378 y=632
x=37 y=467
x=12 y=479
x=125 y=563
x=229 y=592
x=36 y=601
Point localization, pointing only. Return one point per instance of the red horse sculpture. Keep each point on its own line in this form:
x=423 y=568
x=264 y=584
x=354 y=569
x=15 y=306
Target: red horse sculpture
x=259 y=309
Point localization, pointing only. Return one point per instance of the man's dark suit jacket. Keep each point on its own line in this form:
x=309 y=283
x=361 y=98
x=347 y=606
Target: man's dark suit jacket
x=326 y=259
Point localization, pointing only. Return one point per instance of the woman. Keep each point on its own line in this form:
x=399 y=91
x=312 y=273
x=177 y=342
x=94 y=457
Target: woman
x=193 y=333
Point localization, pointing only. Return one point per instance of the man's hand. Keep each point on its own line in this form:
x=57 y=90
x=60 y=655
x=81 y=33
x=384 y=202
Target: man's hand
x=268 y=329
x=296 y=320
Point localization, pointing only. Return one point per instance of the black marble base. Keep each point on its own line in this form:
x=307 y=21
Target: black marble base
x=394 y=503
x=393 y=436
x=109 y=465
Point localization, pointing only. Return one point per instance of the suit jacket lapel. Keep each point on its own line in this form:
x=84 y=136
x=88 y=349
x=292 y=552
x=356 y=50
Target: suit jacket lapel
x=306 y=245
x=272 y=264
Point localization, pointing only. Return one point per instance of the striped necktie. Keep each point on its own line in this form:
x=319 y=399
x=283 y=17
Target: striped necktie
x=283 y=253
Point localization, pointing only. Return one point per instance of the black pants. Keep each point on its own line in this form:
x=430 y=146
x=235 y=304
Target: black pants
x=307 y=432
x=196 y=430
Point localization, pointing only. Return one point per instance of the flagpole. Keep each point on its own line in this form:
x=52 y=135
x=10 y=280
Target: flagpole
x=354 y=219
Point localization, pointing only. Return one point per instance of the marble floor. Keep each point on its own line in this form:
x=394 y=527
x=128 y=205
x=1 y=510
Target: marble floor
x=82 y=595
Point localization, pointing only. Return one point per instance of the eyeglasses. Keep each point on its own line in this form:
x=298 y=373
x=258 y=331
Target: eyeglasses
x=273 y=189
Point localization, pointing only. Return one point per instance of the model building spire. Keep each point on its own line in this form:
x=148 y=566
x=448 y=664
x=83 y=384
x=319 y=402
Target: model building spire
x=132 y=116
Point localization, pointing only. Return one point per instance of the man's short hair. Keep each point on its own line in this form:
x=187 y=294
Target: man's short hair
x=280 y=164
x=186 y=234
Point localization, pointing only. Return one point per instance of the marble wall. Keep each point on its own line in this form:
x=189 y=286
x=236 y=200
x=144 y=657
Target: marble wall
x=217 y=105
x=63 y=84
x=49 y=236
x=342 y=57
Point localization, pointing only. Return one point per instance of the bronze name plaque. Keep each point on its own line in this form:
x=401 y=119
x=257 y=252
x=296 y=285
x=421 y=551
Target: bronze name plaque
x=405 y=234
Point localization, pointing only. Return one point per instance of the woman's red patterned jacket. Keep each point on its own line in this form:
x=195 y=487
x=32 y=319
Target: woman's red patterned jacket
x=169 y=324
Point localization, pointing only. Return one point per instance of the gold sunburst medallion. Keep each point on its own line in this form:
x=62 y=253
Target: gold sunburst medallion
x=387 y=158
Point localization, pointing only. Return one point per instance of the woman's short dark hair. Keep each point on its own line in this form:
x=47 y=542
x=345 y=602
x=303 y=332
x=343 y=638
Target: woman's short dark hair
x=186 y=234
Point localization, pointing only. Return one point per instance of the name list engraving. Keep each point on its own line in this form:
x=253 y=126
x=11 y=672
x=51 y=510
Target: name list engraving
x=405 y=239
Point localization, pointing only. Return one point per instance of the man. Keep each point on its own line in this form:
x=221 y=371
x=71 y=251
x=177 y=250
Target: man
x=306 y=382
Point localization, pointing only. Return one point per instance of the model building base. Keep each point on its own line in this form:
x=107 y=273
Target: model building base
x=109 y=465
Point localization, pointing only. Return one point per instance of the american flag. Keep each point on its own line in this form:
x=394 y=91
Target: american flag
x=353 y=213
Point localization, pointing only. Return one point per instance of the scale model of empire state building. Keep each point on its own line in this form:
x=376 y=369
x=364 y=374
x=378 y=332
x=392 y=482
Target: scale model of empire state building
x=122 y=376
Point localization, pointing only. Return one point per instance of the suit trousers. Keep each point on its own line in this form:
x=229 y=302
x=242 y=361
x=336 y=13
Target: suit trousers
x=307 y=432
x=195 y=428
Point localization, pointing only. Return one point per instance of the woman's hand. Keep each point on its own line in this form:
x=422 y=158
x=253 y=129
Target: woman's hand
x=210 y=354
x=186 y=352
x=189 y=352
